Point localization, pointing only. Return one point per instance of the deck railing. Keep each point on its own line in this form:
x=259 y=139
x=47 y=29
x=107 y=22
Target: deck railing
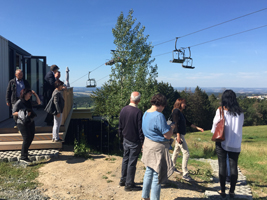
x=68 y=97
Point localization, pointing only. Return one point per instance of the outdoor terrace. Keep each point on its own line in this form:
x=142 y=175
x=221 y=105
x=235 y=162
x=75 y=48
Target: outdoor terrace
x=11 y=139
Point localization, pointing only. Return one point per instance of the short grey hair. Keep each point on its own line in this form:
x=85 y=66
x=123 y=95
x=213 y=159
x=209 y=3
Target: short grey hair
x=18 y=70
x=135 y=98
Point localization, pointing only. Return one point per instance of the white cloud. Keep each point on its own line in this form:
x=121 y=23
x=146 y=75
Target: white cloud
x=249 y=75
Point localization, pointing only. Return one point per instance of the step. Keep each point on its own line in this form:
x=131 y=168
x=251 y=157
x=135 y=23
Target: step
x=43 y=144
x=38 y=129
x=18 y=137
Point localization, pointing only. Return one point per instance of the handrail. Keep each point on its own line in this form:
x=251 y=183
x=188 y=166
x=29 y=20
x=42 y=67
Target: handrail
x=68 y=97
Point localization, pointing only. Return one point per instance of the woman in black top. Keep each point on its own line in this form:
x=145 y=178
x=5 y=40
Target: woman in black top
x=24 y=111
x=180 y=129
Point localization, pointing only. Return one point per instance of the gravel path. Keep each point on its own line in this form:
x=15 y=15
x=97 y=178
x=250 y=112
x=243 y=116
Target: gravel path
x=242 y=191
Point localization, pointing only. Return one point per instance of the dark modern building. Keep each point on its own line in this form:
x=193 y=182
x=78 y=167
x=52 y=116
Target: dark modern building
x=13 y=57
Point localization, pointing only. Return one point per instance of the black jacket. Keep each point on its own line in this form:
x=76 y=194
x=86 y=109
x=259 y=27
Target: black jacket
x=22 y=105
x=49 y=81
x=11 y=92
x=180 y=122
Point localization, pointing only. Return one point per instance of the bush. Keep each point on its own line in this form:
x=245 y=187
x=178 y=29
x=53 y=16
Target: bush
x=80 y=149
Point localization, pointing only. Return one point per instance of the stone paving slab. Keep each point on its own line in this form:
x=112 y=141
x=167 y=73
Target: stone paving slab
x=242 y=190
x=34 y=155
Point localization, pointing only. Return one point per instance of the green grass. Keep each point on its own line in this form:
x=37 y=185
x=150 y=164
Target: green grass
x=16 y=177
x=89 y=108
x=197 y=169
x=252 y=159
x=104 y=177
x=200 y=145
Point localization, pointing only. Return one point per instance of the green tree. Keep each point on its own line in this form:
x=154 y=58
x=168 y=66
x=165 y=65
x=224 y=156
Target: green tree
x=198 y=109
x=132 y=71
x=264 y=111
x=168 y=91
x=214 y=103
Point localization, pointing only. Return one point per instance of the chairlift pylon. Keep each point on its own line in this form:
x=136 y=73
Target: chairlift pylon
x=180 y=54
x=188 y=61
x=90 y=82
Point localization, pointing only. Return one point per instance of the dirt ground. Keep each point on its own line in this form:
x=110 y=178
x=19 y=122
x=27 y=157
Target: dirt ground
x=69 y=177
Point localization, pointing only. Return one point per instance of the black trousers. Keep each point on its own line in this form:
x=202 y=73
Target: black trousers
x=130 y=156
x=27 y=132
x=48 y=95
x=233 y=158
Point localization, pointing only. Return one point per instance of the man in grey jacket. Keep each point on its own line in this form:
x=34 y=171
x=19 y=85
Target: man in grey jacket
x=14 y=88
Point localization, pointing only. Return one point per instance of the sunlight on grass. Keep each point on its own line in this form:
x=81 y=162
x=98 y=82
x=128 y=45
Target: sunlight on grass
x=17 y=177
x=252 y=159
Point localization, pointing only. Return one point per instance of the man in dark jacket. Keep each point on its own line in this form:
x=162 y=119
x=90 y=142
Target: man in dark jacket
x=130 y=129
x=49 y=87
x=14 y=88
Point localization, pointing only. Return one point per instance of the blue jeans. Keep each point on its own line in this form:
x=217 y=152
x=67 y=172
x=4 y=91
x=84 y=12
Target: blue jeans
x=151 y=182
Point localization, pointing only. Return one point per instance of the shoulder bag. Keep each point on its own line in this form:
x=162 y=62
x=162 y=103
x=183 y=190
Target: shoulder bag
x=218 y=135
x=50 y=107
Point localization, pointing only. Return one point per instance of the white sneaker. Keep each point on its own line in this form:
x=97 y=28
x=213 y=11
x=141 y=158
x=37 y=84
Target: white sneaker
x=187 y=178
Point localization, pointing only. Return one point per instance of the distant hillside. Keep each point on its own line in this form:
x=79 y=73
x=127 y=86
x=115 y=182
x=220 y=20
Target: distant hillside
x=214 y=90
x=83 y=91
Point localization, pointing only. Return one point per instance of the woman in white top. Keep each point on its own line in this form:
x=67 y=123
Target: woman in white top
x=234 y=119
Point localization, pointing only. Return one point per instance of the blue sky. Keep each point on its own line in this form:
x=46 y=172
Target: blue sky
x=78 y=34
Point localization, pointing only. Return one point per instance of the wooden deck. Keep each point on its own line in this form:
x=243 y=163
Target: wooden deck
x=11 y=139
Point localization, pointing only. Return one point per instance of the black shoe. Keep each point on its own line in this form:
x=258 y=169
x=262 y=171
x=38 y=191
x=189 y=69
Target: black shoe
x=58 y=140
x=223 y=195
x=132 y=188
x=26 y=160
x=232 y=195
x=122 y=183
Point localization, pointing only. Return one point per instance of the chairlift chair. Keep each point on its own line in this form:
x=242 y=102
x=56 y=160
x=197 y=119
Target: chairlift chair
x=115 y=60
x=180 y=54
x=188 y=61
x=90 y=82
x=110 y=62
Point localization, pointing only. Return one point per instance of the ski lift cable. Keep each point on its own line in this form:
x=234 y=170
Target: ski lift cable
x=102 y=78
x=87 y=73
x=229 y=35
x=187 y=47
x=216 y=39
x=213 y=26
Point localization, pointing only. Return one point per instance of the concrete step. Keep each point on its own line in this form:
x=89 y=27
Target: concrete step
x=18 y=137
x=38 y=129
x=41 y=144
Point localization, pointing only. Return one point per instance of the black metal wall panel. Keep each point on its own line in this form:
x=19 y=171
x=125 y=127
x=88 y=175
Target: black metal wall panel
x=96 y=133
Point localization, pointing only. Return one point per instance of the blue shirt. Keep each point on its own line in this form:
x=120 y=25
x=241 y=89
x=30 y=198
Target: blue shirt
x=20 y=86
x=154 y=126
